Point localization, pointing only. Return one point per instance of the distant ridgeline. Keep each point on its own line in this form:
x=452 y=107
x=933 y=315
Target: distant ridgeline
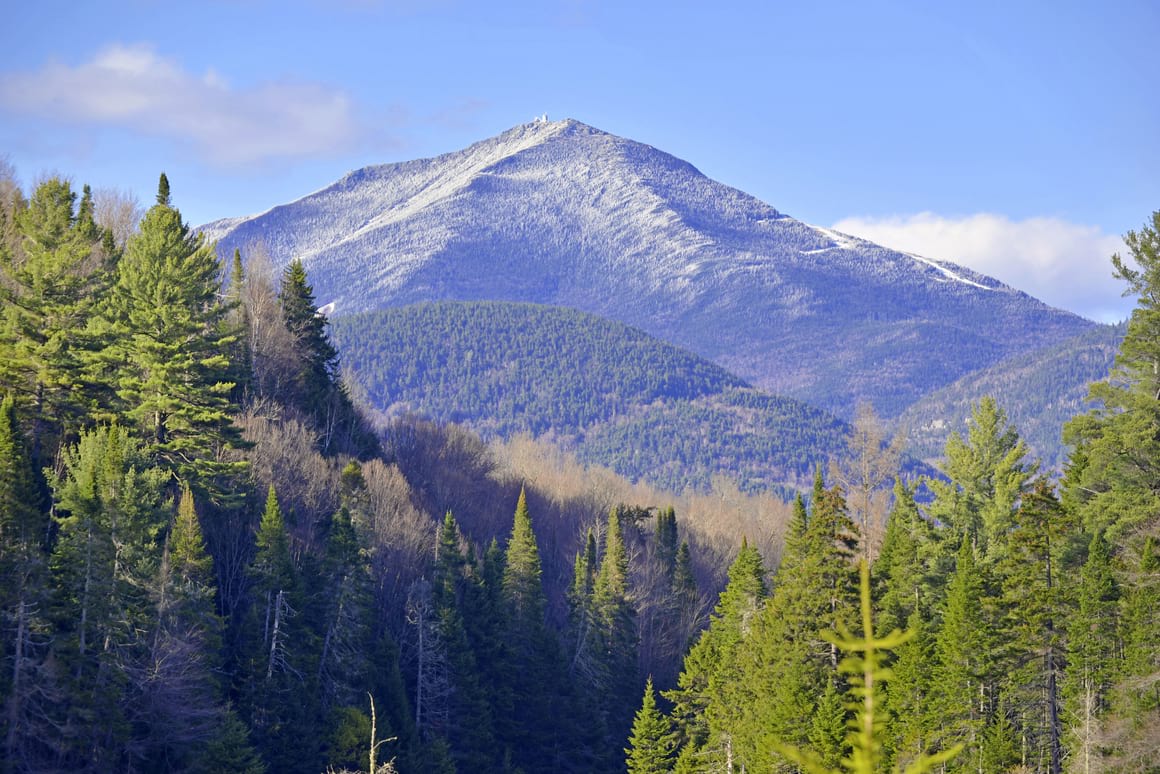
x=1039 y=390
x=609 y=392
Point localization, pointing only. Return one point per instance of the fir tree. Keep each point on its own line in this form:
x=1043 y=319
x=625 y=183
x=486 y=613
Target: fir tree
x=650 y=749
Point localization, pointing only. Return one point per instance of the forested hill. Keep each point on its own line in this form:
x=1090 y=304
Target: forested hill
x=612 y=393
x=1040 y=390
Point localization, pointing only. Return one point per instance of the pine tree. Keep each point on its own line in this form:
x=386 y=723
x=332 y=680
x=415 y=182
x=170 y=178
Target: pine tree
x=179 y=698
x=865 y=671
x=784 y=666
x=906 y=571
x=281 y=695
x=522 y=585
x=50 y=289
x=988 y=473
x=650 y=749
x=317 y=388
x=907 y=697
x=614 y=632
x=1111 y=482
x=533 y=664
x=169 y=350
x=1135 y=734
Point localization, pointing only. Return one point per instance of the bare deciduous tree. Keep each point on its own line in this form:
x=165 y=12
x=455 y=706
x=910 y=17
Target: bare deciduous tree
x=865 y=475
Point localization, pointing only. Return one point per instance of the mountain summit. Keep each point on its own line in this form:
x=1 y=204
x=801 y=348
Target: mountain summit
x=561 y=213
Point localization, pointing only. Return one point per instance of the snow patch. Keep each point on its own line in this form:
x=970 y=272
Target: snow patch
x=949 y=274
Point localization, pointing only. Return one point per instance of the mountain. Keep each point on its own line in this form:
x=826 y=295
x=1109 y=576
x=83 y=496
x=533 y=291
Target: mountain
x=1039 y=390
x=611 y=394
x=564 y=214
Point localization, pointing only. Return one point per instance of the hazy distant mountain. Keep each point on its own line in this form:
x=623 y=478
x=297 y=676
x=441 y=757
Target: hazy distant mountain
x=561 y=213
x=1039 y=390
x=610 y=393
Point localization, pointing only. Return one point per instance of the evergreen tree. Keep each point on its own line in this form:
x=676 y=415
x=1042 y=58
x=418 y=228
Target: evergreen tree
x=533 y=667
x=469 y=726
x=614 y=633
x=960 y=683
x=907 y=697
x=906 y=571
x=987 y=475
x=279 y=703
x=1111 y=482
x=50 y=288
x=1093 y=650
x=104 y=563
x=169 y=350
x=650 y=749
x=1032 y=633
x=179 y=699
x=24 y=691
x=711 y=661
x=1136 y=703
x=785 y=664
x=317 y=388
x=666 y=539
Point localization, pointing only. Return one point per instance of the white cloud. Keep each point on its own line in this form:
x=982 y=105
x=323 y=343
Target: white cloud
x=1064 y=264
x=134 y=87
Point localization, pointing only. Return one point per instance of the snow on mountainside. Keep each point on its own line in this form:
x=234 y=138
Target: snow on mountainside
x=562 y=213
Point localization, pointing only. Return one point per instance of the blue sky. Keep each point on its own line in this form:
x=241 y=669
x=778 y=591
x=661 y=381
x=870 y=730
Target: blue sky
x=1020 y=138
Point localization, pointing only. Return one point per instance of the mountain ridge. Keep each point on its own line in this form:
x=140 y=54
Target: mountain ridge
x=564 y=214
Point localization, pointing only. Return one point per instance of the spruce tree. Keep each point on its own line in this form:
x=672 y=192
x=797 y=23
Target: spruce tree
x=651 y=747
x=1032 y=634
x=108 y=519
x=1093 y=654
x=712 y=659
x=964 y=662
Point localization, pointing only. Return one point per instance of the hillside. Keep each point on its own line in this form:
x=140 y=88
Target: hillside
x=612 y=394
x=564 y=214
x=1039 y=391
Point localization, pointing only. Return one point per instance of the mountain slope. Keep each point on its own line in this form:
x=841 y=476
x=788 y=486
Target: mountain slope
x=564 y=214
x=1039 y=390
x=612 y=394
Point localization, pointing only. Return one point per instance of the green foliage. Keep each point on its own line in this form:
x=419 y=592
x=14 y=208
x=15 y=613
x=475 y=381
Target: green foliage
x=1041 y=390
x=964 y=656
x=651 y=747
x=864 y=667
x=168 y=350
x=988 y=473
x=50 y=287
x=640 y=406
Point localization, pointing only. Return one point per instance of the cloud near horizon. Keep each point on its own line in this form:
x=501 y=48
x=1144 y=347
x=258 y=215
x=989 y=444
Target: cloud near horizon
x=134 y=88
x=1064 y=264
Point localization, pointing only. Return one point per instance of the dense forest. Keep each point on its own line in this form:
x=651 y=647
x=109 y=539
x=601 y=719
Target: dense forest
x=210 y=561
x=610 y=393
